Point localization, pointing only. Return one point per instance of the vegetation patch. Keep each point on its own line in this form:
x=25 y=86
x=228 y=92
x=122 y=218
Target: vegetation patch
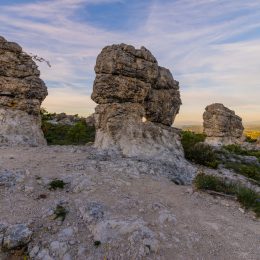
x=248 y=198
x=59 y=134
x=237 y=149
x=97 y=243
x=197 y=151
x=56 y=184
x=249 y=139
x=60 y=212
x=251 y=171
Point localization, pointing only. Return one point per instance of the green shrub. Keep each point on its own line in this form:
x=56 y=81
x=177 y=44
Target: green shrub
x=247 y=197
x=237 y=149
x=78 y=134
x=189 y=138
x=249 y=139
x=209 y=182
x=56 y=184
x=45 y=115
x=198 y=152
x=248 y=170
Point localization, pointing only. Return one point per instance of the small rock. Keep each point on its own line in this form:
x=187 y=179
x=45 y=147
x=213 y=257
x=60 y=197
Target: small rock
x=44 y=255
x=58 y=248
x=16 y=236
x=241 y=210
x=34 y=251
x=166 y=216
x=93 y=211
x=66 y=234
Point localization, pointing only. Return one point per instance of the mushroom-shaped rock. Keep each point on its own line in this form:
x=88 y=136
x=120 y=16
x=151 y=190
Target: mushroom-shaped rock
x=129 y=87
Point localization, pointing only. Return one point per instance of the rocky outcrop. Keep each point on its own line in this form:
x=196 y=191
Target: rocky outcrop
x=137 y=104
x=21 y=95
x=222 y=125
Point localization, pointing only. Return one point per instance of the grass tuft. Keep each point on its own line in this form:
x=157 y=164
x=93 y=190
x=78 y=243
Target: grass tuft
x=251 y=171
x=237 y=149
x=97 y=243
x=60 y=212
x=56 y=184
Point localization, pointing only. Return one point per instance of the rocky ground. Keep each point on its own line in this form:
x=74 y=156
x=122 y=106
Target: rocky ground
x=114 y=208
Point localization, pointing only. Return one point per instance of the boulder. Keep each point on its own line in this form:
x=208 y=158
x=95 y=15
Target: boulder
x=126 y=74
x=15 y=236
x=21 y=95
x=222 y=125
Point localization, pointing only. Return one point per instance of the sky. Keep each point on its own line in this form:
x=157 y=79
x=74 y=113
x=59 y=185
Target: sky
x=212 y=47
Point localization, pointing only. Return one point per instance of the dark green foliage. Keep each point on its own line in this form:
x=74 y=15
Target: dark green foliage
x=45 y=115
x=247 y=197
x=237 y=149
x=248 y=170
x=58 y=134
x=249 y=139
x=209 y=182
x=97 y=243
x=60 y=212
x=195 y=150
x=190 y=138
x=56 y=184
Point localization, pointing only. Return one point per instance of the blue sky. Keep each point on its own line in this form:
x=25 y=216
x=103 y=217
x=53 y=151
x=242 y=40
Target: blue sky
x=212 y=47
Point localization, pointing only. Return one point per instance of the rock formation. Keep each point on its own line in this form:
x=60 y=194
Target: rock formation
x=222 y=125
x=129 y=87
x=21 y=94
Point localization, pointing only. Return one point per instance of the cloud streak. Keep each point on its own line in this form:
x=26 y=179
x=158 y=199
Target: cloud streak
x=212 y=47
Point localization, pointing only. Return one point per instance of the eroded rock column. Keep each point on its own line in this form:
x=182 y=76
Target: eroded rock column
x=21 y=94
x=131 y=86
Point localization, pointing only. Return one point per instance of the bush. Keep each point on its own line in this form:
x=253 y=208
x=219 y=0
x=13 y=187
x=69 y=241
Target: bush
x=209 y=182
x=247 y=197
x=78 y=134
x=197 y=151
x=56 y=184
x=248 y=170
x=249 y=139
x=237 y=149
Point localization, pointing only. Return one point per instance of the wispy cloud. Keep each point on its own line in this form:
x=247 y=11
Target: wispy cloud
x=211 y=46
